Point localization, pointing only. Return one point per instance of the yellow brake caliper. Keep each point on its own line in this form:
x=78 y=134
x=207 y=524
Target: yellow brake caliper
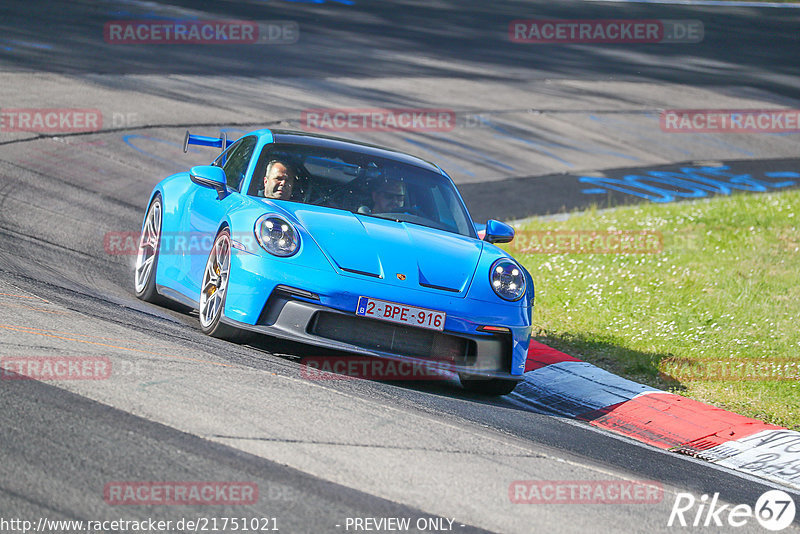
x=213 y=289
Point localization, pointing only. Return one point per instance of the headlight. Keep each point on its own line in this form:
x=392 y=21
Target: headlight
x=276 y=235
x=507 y=279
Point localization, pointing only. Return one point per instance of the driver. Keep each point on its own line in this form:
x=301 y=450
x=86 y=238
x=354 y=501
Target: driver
x=389 y=197
x=279 y=180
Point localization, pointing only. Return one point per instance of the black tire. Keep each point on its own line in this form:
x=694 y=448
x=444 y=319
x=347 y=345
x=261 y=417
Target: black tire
x=487 y=386
x=144 y=272
x=213 y=292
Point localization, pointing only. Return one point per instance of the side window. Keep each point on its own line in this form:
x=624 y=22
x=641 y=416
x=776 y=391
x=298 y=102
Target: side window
x=236 y=159
x=220 y=161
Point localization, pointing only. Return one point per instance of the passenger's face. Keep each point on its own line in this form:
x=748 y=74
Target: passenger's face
x=389 y=198
x=279 y=182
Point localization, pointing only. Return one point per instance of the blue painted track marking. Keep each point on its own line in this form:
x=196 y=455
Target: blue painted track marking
x=26 y=44
x=783 y=174
x=696 y=182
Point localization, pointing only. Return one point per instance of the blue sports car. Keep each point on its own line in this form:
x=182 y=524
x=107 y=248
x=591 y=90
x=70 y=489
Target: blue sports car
x=340 y=244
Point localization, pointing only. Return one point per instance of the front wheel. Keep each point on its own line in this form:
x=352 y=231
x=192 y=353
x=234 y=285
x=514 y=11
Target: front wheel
x=214 y=289
x=487 y=386
x=144 y=275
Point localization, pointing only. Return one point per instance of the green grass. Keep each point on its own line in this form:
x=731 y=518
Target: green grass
x=724 y=291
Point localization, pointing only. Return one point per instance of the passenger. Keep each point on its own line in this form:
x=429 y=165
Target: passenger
x=389 y=196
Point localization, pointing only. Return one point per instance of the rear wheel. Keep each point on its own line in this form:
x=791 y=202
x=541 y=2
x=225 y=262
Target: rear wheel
x=214 y=290
x=144 y=275
x=487 y=386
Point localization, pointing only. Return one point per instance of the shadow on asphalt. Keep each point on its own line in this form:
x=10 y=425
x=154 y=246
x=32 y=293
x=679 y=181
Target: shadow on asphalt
x=639 y=366
x=428 y=39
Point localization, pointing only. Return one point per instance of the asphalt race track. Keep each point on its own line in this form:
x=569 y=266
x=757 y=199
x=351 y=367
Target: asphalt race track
x=537 y=128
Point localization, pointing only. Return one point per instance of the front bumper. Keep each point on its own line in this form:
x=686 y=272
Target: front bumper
x=306 y=322
x=257 y=300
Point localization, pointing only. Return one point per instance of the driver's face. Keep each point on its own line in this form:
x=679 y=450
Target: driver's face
x=279 y=182
x=389 y=198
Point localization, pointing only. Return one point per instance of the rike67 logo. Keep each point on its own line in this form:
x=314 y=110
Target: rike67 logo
x=774 y=510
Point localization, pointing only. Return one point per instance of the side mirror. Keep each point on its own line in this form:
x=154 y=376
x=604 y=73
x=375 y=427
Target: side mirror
x=210 y=176
x=498 y=232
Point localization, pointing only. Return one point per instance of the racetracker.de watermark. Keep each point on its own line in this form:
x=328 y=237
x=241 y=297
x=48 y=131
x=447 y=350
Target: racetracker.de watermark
x=730 y=121
x=365 y=367
x=599 y=31
x=585 y=492
x=380 y=120
x=55 y=368
x=136 y=32
x=587 y=242
x=50 y=120
x=734 y=369
x=170 y=243
x=180 y=493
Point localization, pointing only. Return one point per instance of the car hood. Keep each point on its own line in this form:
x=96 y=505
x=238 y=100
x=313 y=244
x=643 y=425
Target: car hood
x=402 y=254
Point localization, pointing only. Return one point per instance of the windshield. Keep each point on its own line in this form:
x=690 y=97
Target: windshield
x=362 y=184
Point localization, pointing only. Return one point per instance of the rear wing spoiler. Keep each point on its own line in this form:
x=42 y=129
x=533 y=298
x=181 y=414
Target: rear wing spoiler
x=220 y=142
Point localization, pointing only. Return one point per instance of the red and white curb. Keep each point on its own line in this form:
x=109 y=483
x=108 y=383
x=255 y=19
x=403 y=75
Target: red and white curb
x=579 y=390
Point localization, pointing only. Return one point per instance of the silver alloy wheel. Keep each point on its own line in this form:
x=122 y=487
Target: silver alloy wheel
x=148 y=247
x=215 y=280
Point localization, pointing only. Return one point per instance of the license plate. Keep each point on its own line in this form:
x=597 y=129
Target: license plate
x=400 y=313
